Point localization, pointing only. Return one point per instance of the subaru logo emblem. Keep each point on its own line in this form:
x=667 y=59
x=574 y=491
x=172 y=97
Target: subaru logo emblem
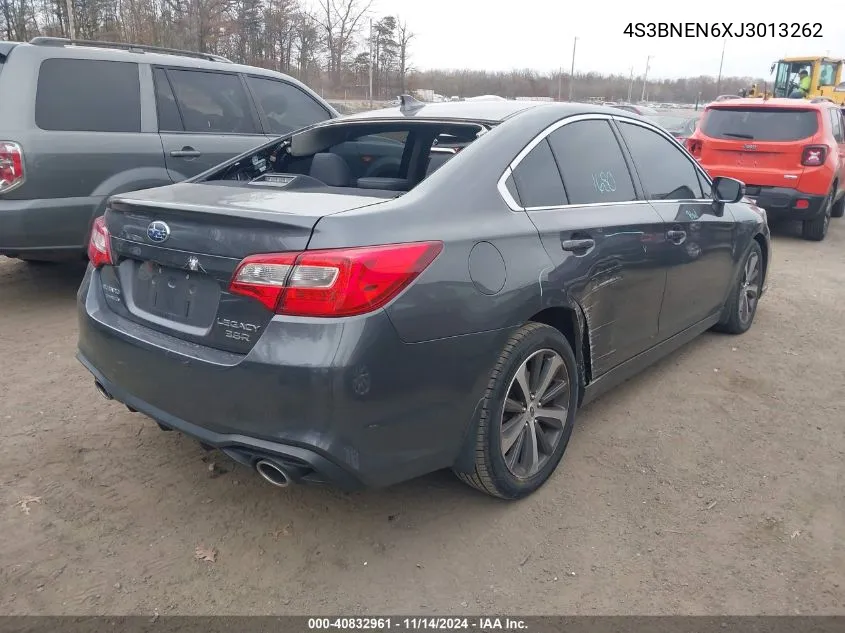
x=158 y=231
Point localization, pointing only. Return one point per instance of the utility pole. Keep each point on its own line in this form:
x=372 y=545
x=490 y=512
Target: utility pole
x=631 y=84
x=372 y=61
x=71 y=26
x=572 y=69
x=721 y=61
x=645 y=76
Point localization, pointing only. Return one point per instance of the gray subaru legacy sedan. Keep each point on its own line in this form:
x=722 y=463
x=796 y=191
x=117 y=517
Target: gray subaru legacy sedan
x=428 y=286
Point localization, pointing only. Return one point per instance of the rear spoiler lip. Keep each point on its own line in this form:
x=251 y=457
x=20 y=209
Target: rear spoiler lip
x=5 y=49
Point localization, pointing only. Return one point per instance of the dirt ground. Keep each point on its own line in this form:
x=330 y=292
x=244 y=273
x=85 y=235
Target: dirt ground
x=710 y=484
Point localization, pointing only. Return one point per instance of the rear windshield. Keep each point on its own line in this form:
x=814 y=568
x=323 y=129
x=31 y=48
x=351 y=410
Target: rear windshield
x=760 y=124
x=367 y=156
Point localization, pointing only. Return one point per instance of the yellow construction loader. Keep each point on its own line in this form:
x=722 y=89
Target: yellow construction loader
x=826 y=80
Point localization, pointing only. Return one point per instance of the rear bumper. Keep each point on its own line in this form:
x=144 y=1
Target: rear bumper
x=780 y=202
x=308 y=465
x=51 y=226
x=345 y=401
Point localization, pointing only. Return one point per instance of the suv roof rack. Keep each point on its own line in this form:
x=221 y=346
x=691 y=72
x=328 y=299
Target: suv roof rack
x=135 y=48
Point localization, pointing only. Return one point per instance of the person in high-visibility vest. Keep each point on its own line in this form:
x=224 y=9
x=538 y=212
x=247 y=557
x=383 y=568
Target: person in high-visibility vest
x=803 y=88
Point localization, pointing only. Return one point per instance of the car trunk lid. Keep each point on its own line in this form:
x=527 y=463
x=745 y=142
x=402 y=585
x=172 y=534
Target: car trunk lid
x=758 y=145
x=175 y=250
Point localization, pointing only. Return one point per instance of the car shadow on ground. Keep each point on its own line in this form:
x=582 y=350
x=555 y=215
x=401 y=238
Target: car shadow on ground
x=787 y=229
x=430 y=494
x=28 y=284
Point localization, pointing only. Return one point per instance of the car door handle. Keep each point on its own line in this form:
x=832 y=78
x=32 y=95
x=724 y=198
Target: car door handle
x=185 y=152
x=676 y=236
x=577 y=245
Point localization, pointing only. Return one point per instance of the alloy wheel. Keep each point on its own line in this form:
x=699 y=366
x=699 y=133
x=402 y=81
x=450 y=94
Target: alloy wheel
x=535 y=413
x=749 y=290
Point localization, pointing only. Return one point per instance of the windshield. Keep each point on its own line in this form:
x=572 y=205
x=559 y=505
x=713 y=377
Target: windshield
x=760 y=124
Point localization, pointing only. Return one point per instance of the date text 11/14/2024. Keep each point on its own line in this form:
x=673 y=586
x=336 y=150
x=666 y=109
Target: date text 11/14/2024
x=481 y=624
x=723 y=29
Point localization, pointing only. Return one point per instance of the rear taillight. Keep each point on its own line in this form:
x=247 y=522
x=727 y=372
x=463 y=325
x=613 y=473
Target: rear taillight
x=99 y=248
x=814 y=155
x=11 y=166
x=693 y=147
x=335 y=282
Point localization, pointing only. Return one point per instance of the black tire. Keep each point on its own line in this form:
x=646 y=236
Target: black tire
x=838 y=209
x=490 y=473
x=815 y=230
x=735 y=319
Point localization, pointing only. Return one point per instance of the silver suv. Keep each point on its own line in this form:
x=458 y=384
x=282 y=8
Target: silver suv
x=81 y=121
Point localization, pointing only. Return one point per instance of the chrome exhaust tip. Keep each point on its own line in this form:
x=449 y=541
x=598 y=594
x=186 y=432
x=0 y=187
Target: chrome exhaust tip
x=102 y=390
x=273 y=474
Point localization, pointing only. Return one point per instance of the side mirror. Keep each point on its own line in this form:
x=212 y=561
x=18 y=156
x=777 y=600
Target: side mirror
x=727 y=190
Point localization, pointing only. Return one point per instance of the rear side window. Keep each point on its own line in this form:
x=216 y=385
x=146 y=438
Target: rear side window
x=836 y=124
x=665 y=171
x=591 y=163
x=212 y=103
x=537 y=179
x=87 y=95
x=760 y=124
x=286 y=107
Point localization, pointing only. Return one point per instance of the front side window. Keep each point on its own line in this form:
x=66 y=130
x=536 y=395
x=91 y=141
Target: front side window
x=211 y=102
x=591 y=163
x=665 y=171
x=169 y=119
x=286 y=107
x=87 y=95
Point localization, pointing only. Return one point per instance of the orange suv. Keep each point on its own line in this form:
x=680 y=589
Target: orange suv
x=789 y=153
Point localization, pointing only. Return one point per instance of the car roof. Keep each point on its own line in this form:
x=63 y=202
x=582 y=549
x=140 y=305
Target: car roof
x=56 y=47
x=774 y=104
x=486 y=111
x=42 y=48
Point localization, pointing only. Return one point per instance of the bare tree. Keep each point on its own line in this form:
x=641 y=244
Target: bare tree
x=404 y=35
x=384 y=52
x=14 y=13
x=341 y=20
x=307 y=43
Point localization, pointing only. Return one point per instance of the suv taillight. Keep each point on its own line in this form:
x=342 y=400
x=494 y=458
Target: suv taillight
x=335 y=282
x=814 y=155
x=693 y=147
x=11 y=166
x=99 y=246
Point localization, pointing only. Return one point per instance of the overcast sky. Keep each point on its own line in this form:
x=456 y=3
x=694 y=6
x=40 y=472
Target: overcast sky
x=538 y=34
